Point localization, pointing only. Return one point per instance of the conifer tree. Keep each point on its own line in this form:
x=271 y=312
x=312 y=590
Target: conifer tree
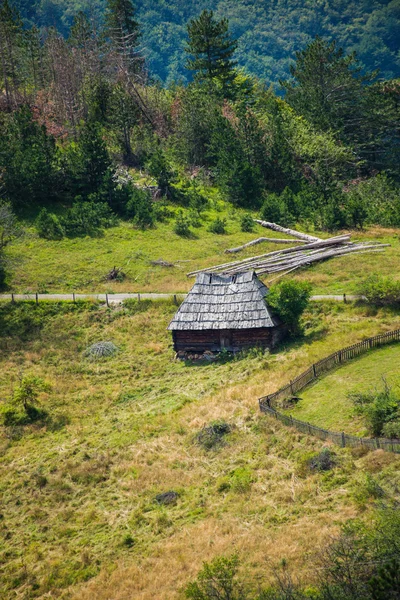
x=327 y=87
x=210 y=48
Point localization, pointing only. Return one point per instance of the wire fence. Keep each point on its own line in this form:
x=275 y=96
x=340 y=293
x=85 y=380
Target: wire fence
x=268 y=403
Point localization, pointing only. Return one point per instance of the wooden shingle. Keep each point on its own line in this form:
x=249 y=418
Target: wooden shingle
x=224 y=302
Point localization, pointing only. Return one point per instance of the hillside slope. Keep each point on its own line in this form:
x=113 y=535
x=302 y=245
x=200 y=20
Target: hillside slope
x=269 y=33
x=79 y=516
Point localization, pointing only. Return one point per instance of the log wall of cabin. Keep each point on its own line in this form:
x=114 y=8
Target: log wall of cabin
x=215 y=340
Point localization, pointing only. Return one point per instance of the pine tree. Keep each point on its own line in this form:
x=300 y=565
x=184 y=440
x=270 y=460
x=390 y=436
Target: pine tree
x=327 y=87
x=95 y=166
x=211 y=48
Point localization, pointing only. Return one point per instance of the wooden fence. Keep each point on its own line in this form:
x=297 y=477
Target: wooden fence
x=268 y=403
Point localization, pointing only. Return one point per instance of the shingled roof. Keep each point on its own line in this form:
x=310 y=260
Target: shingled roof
x=224 y=302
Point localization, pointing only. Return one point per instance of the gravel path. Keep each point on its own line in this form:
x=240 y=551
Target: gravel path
x=119 y=298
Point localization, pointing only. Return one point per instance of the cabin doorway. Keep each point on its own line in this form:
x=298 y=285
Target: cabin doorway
x=225 y=340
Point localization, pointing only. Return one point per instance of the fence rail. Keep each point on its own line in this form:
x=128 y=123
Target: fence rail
x=268 y=403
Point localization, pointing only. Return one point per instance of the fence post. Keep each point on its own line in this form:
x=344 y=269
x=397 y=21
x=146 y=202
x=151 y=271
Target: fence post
x=344 y=298
x=138 y=297
x=340 y=356
x=108 y=305
x=309 y=428
x=314 y=371
x=291 y=421
x=73 y=298
x=377 y=442
x=291 y=388
x=343 y=440
x=175 y=300
x=12 y=298
x=37 y=298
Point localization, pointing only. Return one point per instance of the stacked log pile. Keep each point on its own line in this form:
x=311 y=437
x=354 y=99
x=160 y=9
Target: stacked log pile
x=290 y=259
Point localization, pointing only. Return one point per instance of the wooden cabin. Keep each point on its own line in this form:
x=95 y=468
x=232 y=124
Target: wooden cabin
x=225 y=312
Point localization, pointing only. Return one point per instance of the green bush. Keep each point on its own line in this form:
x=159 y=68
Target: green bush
x=378 y=198
x=289 y=300
x=212 y=436
x=217 y=580
x=241 y=480
x=333 y=215
x=88 y=218
x=182 y=226
x=197 y=201
x=322 y=461
x=381 y=291
x=247 y=223
x=275 y=210
x=140 y=208
x=218 y=226
x=48 y=226
x=381 y=409
x=23 y=408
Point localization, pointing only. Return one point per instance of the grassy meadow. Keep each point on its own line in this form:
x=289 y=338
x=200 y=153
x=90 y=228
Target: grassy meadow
x=326 y=403
x=79 y=518
x=80 y=264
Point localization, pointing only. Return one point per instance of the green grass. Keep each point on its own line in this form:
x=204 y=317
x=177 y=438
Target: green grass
x=81 y=264
x=326 y=403
x=78 y=516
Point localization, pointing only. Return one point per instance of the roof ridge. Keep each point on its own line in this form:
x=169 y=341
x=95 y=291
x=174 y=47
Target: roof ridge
x=239 y=303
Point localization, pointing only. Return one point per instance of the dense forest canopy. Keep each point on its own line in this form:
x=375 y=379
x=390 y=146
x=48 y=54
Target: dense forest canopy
x=80 y=118
x=268 y=32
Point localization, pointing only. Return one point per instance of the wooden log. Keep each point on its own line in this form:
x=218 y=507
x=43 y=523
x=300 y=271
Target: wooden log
x=292 y=232
x=294 y=262
x=259 y=241
x=245 y=262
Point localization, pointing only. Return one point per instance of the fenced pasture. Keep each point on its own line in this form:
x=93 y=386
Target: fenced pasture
x=269 y=403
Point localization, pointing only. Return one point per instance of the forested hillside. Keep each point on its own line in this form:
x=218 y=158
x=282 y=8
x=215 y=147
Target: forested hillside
x=87 y=139
x=122 y=470
x=268 y=31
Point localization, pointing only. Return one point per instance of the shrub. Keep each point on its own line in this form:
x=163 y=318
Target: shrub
x=217 y=579
x=167 y=498
x=379 y=199
x=140 y=208
x=87 y=218
x=195 y=219
x=23 y=408
x=218 y=226
x=182 y=226
x=247 y=223
x=128 y=541
x=381 y=291
x=197 y=201
x=48 y=226
x=275 y=210
x=392 y=429
x=289 y=299
x=333 y=215
x=213 y=435
x=241 y=480
x=381 y=409
x=323 y=461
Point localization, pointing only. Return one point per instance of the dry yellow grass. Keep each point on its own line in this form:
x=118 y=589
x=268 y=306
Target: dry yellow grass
x=130 y=436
